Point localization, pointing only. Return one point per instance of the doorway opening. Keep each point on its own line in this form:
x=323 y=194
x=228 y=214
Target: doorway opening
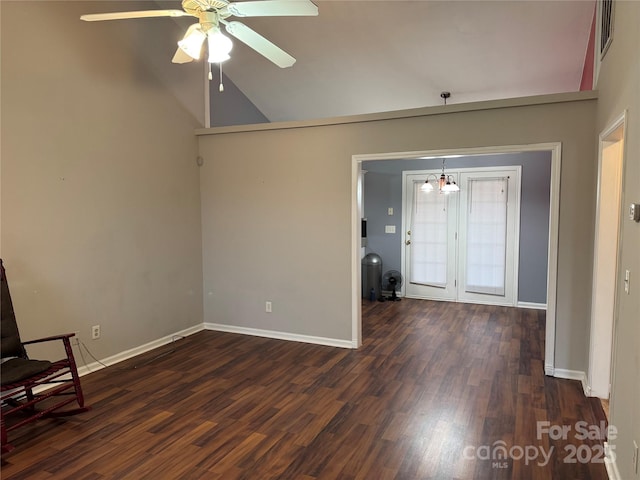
x=464 y=247
x=605 y=258
x=357 y=204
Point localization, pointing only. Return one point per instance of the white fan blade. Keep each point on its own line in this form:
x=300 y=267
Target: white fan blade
x=260 y=44
x=181 y=57
x=273 y=8
x=96 y=17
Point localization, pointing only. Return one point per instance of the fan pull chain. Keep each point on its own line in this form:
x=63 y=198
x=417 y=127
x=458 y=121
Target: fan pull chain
x=221 y=88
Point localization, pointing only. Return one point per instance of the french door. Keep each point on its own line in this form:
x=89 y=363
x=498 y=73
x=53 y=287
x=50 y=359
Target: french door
x=463 y=246
x=430 y=238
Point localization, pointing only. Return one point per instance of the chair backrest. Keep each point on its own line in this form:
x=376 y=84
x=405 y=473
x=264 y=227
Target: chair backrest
x=10 y=343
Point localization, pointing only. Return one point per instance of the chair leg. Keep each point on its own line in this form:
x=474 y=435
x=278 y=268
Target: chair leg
x=29 y=394
x=57 y=375
x=6 y=446
x=74 y=372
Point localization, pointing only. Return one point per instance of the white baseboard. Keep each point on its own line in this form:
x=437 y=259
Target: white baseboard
x=535 y=306
x=118 y=357
x=573 y=375
x=610 y=464
x=127 y=354
x=292 y=337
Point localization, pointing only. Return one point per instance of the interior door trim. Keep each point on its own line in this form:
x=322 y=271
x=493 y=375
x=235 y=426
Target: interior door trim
x=554 y=216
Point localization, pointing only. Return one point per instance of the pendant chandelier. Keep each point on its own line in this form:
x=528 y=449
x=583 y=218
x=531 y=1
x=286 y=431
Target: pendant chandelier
x=445 y=183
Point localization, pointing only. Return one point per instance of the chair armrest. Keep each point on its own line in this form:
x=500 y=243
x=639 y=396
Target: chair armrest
x=49 y=339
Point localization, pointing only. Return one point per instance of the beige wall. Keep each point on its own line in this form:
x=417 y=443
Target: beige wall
x=276 y=209
x=619 y=89
x=101 y=202
x=100 y=190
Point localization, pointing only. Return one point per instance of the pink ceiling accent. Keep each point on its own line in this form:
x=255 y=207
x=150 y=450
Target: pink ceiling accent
x=587 y=70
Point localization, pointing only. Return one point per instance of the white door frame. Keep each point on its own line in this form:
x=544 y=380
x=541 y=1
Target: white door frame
x=554 y=213
x=454 y=295
x=447 y=293
x=513 y=238
x=604 y=306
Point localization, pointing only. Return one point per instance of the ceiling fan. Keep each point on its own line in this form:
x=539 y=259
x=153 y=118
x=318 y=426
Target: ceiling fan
x=212 y=13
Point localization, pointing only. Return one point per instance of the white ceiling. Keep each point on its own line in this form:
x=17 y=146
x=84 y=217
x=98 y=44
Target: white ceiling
x=371 y=56
x=365 y=56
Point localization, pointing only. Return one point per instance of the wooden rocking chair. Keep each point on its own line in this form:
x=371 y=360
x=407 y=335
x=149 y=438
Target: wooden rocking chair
x=26 y=383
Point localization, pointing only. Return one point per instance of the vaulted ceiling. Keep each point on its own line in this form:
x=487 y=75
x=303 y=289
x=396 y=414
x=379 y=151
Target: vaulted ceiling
x=364 y=56
x=371 y=56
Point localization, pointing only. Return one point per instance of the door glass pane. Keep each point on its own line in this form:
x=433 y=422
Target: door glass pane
x=429 y=238
x=486 y=236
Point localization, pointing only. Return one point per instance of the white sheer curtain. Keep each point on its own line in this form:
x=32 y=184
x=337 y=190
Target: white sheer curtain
x=429 y=238
x=487 y=235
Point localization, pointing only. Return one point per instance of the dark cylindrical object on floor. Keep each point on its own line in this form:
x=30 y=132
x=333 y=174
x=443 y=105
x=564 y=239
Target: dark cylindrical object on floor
x=371 y=275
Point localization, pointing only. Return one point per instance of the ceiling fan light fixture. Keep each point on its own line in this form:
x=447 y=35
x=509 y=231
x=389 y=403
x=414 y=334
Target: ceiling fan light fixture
x=212 y=13
x=219 y=46
x=192 y=42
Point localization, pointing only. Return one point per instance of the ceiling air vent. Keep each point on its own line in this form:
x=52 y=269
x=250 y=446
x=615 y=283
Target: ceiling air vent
x=606 y=25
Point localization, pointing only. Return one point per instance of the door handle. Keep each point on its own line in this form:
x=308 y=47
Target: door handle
x=407 y=242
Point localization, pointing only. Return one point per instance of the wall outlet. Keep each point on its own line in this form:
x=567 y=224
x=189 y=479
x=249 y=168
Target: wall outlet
x=95 y=332
x=267 y=307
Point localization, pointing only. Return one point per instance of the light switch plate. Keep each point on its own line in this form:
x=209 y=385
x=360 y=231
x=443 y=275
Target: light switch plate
x=389 y=229
x=627 y=281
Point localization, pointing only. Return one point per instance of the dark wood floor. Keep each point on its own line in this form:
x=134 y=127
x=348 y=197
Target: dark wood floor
x=432 y=384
